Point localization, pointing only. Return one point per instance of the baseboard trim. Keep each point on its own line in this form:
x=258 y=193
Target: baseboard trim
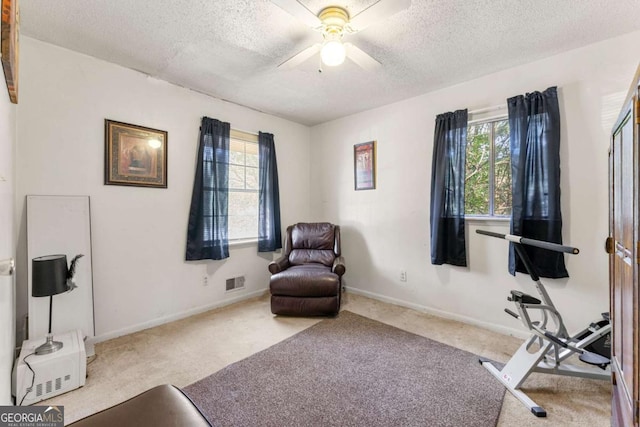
x=176 y=316
x=440 y=313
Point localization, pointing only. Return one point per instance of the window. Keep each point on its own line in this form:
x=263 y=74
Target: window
x=488 y=170
x=243 y=185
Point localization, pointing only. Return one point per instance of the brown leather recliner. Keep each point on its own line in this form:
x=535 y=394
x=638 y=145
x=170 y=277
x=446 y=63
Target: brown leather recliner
x=307 y=279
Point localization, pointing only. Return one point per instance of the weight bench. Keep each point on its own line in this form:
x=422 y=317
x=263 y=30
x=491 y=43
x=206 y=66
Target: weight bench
x=164 y=405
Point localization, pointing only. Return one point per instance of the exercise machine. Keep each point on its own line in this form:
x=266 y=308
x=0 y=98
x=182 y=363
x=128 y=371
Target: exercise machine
x=550 y=345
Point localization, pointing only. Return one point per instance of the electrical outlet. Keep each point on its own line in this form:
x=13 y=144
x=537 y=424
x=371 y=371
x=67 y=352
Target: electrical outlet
x=403 y=276
x=205 y=281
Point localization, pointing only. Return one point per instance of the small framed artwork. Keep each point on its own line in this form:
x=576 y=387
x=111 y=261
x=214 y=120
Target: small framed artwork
x=135 y=155
x=364 y=165
x=9 y=37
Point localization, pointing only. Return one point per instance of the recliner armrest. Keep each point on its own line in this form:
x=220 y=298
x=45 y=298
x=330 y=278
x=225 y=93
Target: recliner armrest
x=279 y=264
x=338 y=266
x=164 y=405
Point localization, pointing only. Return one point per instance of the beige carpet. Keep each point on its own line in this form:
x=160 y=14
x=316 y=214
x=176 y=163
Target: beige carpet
x=188 y=350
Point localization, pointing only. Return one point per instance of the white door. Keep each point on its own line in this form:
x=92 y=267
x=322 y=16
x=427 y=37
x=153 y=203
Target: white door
x=7 y=326
x=7 y=247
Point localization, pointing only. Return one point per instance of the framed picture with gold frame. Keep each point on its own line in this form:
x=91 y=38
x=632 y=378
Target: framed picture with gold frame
x=135 y=155
x=364 y=165
x=9 y=37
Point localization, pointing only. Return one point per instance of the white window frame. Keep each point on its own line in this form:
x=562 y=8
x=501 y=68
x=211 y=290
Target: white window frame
x=490 y=216
x=245 y=138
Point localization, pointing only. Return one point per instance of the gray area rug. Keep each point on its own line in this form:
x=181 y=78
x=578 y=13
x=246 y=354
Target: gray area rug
x=352 y=371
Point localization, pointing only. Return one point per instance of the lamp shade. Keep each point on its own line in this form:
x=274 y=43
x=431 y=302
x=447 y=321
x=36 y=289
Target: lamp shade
x=49 y=275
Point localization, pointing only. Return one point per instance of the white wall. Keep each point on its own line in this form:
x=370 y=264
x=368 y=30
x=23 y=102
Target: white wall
x=387 y=230
x=7 y=241
x=139 y=234
x=140 y=278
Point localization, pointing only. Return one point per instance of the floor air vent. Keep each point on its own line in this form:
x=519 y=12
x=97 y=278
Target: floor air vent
x=235 y=283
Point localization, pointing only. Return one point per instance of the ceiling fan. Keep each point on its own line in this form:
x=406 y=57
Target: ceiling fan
x=334 y=22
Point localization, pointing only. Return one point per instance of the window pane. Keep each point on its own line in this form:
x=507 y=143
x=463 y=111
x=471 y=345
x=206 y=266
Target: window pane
x=236 y=152
x=236 y=177
x=252 y=154
x=477 y=170
x=243 y=186
x=252 y=178
x=243 y=203
x=243 y=214
x=502 y=174
x=243 y=227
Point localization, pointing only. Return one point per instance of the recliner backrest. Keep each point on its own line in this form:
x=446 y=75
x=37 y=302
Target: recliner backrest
x=313 y=243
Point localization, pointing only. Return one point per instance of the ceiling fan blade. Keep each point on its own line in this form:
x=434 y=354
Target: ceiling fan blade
x=298 y=10
x=376 y=12
x=361 y=58
x=299 y=58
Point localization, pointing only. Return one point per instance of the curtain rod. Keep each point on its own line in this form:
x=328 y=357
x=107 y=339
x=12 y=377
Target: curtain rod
x=488 y=109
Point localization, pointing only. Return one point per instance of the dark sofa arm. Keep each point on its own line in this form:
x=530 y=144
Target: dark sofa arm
x=338 y=266
x=164 y=405
x=279 y=264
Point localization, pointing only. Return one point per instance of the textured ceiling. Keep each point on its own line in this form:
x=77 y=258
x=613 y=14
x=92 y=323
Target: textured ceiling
x=230 y=49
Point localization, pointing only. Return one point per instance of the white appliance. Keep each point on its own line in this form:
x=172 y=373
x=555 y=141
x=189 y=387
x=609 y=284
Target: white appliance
x=55 y=373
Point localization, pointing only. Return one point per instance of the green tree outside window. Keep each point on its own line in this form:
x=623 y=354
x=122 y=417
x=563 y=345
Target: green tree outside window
x=488 y=170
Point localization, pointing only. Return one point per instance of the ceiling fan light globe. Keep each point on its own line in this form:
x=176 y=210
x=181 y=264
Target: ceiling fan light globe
x=333 y=53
